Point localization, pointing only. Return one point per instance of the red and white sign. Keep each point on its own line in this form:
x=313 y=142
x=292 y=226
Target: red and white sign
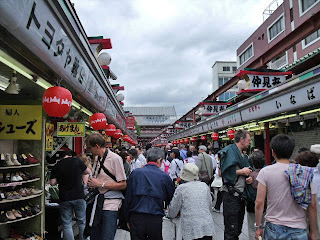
x=130 y=122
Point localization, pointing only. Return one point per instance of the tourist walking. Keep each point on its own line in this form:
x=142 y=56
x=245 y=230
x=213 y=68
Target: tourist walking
x=285 y=218
x=235 y=174
x=193 y=201
x=148 y=189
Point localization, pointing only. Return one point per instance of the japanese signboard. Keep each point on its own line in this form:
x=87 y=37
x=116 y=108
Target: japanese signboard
x=306 y=96
x=20 y=122
x=183 y=124
x=262 y=80
x=214 y=108
x=49 y=136
x=71 y=129
x=38 y=28
x=130 y=122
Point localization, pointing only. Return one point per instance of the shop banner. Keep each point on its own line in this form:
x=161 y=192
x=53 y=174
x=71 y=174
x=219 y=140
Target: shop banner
x=23 y=122
x=130 y=122
x=71 y=129
x=213 y=108
x=262 y=80
x=49 y=136
x=183 y=124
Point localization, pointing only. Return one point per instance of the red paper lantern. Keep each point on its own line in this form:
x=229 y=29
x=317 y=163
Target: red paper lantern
x=57 y=101
x=110 y=130
x=126 y=138
x=215 y=136
x=181 y=141
x=193 y=139
x=117 y=134
x=203 y=137
x=231 y=134
x=186 y=140
x=98 y=121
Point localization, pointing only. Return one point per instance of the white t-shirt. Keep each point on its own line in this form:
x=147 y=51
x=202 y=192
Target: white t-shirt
x=176 y=167
x=190 y=160
x=134 y=164
x=281 y=207
x=142 y=159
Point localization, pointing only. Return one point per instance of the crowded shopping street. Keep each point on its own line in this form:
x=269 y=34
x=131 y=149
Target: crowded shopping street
x=160 y=120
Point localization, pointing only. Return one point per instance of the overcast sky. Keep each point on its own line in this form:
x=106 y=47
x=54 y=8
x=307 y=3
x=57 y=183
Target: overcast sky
x=163 y=50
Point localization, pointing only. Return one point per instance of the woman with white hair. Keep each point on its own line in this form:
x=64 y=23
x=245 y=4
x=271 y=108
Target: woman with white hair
x=193 y=200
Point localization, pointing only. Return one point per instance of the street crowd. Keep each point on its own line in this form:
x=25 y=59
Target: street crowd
x=134 y=189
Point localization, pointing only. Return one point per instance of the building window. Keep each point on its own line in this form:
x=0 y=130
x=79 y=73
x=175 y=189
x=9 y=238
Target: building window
x=234 y=69
x=226 y=69
x=220 y=82
x=307 y=4
x=291 y=15
x=313 y=37
x=225 y=80
x=277 y=28
x=246 y=55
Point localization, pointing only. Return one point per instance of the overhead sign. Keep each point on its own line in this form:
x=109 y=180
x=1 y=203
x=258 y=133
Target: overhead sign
x=306 y=96
x=130 y=122
x=71 y=129
x=261 y=80
x=214 y=108
x=183 y=124
x=49 y=136
x=20 y=122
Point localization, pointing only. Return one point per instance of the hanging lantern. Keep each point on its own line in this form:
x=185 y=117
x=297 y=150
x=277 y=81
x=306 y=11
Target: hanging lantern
x=215 y=136
x=193 y=139
x=186 y=140
x=98 y=121
x=110 y=130
x=57 y=101
x=203 y=138
x=117 y=134
x=231 y=134
x=126 y=138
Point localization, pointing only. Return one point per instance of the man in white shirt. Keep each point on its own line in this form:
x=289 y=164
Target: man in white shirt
x=141 y=157
x=134 y=161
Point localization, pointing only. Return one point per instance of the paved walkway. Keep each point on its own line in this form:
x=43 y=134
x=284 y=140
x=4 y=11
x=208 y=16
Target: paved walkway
x=168 y=232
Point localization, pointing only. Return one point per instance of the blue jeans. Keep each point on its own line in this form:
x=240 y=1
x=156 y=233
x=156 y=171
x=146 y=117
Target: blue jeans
x=106 y=230
x=279 y=232
x=66 y=212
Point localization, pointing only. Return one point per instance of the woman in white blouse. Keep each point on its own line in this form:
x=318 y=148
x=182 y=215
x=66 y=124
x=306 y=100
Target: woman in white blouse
x=176 y=164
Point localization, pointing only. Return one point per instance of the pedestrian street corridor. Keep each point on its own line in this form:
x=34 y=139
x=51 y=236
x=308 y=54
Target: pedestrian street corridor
x=169 y=230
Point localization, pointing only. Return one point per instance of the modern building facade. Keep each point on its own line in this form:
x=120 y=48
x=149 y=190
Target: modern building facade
x=152 y=120
x=288 y=34
x=222 y=72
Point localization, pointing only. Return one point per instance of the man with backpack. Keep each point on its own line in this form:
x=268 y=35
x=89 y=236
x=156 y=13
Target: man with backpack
x=109 y=178
x=235 y=171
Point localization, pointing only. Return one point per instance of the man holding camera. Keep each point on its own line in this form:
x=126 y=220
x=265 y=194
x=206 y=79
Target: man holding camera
x=235 y=173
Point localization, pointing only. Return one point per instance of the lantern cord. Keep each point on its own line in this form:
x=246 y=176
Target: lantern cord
x=58 y=82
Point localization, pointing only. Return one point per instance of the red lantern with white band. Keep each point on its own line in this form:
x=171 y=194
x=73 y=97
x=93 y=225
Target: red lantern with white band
x=203 y=137
x=193 y=139
x=98 y=121
x=186 y=140
x=215 y=136
x=117 y=134
x=110 y=130
x=231 y=134
x=126 y=138
x=57 y=101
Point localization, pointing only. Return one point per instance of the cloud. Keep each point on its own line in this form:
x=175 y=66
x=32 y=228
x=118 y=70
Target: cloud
x=163 y=51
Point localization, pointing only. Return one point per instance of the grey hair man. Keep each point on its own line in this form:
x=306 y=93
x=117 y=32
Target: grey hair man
x=205 y=165
x=148 y=188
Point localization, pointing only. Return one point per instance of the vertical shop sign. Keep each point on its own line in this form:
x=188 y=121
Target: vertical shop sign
x=49 y=136
x=20 y=122
x=130 y=122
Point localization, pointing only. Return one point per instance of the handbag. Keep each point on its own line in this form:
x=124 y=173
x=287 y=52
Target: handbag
x=217 y=182
x=92 y=193
x=203 y=175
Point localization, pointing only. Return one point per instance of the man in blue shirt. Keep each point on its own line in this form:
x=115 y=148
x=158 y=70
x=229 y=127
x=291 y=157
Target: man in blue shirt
x=148 y=188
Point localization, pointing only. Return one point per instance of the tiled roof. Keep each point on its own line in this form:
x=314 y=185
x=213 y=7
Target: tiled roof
x=151 y=111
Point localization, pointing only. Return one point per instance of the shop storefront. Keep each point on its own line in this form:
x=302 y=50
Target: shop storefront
x=291 y=107
x=42 y=44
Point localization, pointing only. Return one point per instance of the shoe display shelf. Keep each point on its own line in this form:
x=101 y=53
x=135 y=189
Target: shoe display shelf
x=26 y=223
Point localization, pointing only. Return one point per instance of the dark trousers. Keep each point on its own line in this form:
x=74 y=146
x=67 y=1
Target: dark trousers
x=205 y=238
x=233 y=215
x=145 y=226
x=219 y=200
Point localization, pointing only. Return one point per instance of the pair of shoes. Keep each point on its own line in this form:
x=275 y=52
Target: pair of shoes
x=23 y=159
x=8 y=160
x=15 y=177
x=31 y=159
x=215 y=210
x=12 y=160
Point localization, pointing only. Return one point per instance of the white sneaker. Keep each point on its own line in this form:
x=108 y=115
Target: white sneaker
x=15 y=160
x=8 y=160
x=14 y=178
x=215 y=210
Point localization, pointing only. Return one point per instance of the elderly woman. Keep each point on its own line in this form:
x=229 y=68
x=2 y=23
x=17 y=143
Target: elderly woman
x=193 y=200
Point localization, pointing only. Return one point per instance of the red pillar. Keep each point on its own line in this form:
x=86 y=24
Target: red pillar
x=267 y=143
x=78 y=148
